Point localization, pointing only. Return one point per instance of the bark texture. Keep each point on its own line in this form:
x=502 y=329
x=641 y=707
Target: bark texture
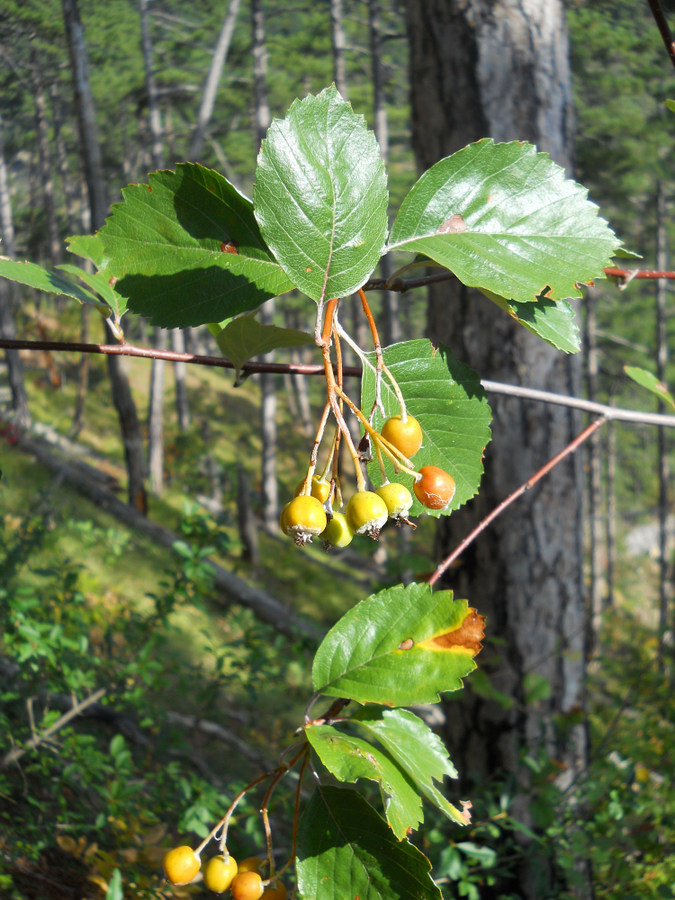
x=500 y=68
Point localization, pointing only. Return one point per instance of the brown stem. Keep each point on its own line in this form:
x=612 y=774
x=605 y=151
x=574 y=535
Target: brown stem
x=664 y=30
x=498 y=510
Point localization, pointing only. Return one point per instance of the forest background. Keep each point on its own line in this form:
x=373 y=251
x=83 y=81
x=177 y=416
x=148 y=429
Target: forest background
x=90 y=808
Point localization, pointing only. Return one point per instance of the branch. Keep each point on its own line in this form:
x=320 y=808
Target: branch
x=609 y=412
x=17 y=752
x=498 y=510
x=666 y=34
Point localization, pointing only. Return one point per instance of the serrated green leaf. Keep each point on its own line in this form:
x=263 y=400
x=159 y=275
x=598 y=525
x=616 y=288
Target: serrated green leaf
x=35 y=276
x=419 y=752
x=245 y=337
x=321 y=196
x=505 y=219
x=99 y=282
x=345 y=850
x=349 y=758
x=187 y=250
x=400 y=647
x=671 y=105
x=554 y=321
x=88 y=246
x=649 y=381
x=448 y=400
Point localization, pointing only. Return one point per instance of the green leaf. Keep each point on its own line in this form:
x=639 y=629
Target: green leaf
x=345 y=850
x=245 y=337
x=554 y=321
x=671 y=105
x=349 y=758
x=505 y=219
x=646 y=380
x=448 y=400
x=99 y=282
x=321 y=196
x=419 y=752
x=35 y=276
x=90 y=246
x=400 y=647
x=187 y=250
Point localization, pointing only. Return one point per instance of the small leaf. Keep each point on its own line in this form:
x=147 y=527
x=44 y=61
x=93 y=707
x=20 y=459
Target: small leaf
x=99 y=282
x=350 y=758
x=418 y=751
x=345 y=850
x=368 y=656
x=649 y=381
x=321 y=196
x=448 y=400
x=245 y=337
x=505 y=219
x=671 y=105
x=554 y=321
x=35 y=276
x=187 y=250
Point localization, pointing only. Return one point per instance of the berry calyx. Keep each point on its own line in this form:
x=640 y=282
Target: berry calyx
x=303 y=518
x=276 y=891
x=435 y=489
x=366 y=513
x=337 y=533
x=181 y=865
x=219 y=873
x=398 y=499
x=405 y=436
x=247 y=886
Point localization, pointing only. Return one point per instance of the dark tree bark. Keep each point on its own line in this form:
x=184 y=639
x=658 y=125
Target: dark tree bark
x=90 y=151
x=596 y=591
x=211 y=86
x=500 y=68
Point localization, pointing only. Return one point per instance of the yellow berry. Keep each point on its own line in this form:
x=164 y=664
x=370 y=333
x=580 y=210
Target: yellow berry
x=303 y=518
x=398 y=499
x=219 y=873
x=405 y=436
x=337 y=533
x=320 y=488
x=247 y=886
x=251 y=864
x=366 y=513
x=181 y=865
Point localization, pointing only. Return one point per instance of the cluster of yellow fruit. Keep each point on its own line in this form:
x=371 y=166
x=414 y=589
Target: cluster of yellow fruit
x=222 y=873
x=305 y=516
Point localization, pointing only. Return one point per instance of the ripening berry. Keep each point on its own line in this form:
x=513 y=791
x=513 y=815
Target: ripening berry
x=366 y=513
x=276 y=891
x=320 y=488
x=303 y=518
x=405 y=436
x=337 y=533
x=435 y=489
x=247 y=886
x=181 y=865
x=219 y=873
x=398 y=499
x=251 y=864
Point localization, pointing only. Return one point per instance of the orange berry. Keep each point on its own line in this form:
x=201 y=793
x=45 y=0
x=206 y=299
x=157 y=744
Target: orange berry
x=277 y=891
x=247 y=886
x=251 y=864
x=435 y=489
x=181 y=865
x=405 y=436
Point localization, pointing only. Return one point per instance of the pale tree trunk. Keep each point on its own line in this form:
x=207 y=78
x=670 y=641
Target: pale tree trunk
x=339 y=44
x=268 y=403
x=610 y=522
x=593 y=455
x=93 y=169
x=62 y=157
x=211 y=86
x=500 y=68
x=20 y=411
x=45 y=163
x=663 y=467
x=392 y=329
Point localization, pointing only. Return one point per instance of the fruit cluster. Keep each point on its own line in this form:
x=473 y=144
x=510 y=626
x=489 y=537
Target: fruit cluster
x=244 y=880
x=311 y=512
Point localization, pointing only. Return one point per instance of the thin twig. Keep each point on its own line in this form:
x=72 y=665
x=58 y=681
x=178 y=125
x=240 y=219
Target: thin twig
x=664 y=30
x=498 y=510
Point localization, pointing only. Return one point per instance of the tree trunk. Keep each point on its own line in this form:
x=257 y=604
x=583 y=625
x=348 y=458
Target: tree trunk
x=339 y=43
x=45 y=163
x=20 y=411
x=211 y=86
x=93 y=169
x=156 y=417
x=592 y=449
x=268 y=404
x=179 y=374
x=663 y=467
x=500 y=68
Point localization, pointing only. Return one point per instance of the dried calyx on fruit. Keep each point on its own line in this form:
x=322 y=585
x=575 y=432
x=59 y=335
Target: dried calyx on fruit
x=398 y=500
x=366 y=513
x=303 y=518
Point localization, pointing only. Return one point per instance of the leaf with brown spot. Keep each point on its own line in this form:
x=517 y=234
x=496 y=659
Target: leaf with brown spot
x=367 y=657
